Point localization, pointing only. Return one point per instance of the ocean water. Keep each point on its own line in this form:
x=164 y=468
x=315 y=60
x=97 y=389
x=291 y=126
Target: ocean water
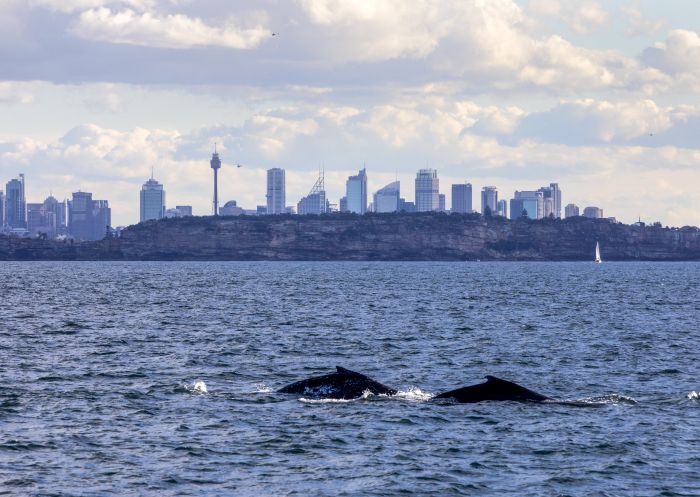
x=140 y=379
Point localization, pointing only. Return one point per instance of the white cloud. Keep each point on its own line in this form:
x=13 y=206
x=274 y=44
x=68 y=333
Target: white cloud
x=678 y=57
x=175 y=31
x=80 y=5
x=637 y=25
x=16 y=92
x=549 y=8
x=586 y=16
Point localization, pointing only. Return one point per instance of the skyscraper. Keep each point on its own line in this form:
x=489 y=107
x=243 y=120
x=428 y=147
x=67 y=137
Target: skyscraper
x=152 y=200
x=571 y=210
x=275 y=191
x=552 y=200
x=2 y=210
x=47 y=218
x=315 y=202
x=15 y=204
x=441 y=202
x=387 y=199
x=88 y=219
x=356 y=192
x=593 y=212
x=503 y=208
x=462 y=198
x=489 y=198
x=527 y=203
x=427 y=190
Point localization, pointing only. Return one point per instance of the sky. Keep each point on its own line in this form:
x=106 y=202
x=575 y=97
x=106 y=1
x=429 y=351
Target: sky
x=600 y=97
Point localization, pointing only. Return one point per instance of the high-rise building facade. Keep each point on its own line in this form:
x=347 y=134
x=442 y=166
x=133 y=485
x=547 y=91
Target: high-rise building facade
x=356 y=192
x=571 y=210
x=462 y=198
x=343 y=204
x=2 y=210
x=387 y=199
x=88 y=219
x=276 y=197
x=593 y=212
x=427 y=190
x=15 y=204
x=406 y=206
x=441 y=202
x=47 y=218
x=152 y=200
x=552 y=200
x=527 y=204
x=315 y=202
x=503 y=208
x=489 y=198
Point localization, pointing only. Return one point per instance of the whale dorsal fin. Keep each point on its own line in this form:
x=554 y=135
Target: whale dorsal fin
x=342 y=370
x=493 y=379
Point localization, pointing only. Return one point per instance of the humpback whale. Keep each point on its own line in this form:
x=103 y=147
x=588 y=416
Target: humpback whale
x=343 y=384
x=493 y=389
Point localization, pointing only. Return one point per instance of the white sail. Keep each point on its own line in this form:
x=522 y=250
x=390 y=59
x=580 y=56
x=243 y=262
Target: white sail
x=597 y=252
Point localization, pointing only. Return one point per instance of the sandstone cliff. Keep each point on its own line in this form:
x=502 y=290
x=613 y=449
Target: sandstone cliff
x=372 y=237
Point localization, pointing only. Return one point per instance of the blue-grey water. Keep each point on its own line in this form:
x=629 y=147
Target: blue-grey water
x=99 y=361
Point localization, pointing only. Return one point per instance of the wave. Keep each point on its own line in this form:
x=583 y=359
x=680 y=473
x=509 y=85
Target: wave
x=414 y=394
x=601 y=400
x=693 y=395
x=365 y=395
x=262 y=388
x=197 y=387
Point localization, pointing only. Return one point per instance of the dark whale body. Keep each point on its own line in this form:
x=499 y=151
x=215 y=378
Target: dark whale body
x=343 y=384
x=493 y=389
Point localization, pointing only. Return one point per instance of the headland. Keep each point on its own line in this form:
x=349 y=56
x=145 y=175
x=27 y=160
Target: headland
x=371 y=237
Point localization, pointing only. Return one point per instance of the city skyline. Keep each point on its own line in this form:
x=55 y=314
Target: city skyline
x=31 y=216
x=600 y=97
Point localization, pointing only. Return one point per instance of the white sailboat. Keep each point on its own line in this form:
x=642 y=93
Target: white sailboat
x=598 y=260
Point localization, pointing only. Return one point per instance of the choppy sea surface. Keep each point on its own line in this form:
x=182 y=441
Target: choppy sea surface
x=159 y=379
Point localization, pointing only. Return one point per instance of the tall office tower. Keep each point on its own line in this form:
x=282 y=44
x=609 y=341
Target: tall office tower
x=2 y=210
x=215 y=164
x=35 y=218
x=276 y=199
x=88 y=219
x=489 y=198
x=571 y=210
x=315 y=202
x=15 y=204
x=356 y=192
x=503 y=208
x=343 y=204
x=527 y=203
x=556 y=198
x=56 y=215
x=593 y=212
x=152 y=200
x=441 y=202
x=387 y=199
x=427 y=190
x=552 y=196
x=462 y=198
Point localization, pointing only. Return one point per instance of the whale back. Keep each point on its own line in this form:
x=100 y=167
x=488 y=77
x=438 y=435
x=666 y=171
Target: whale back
x=342 y=384
x=493 y=389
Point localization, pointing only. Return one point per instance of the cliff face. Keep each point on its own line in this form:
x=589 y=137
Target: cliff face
x=371 y=237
